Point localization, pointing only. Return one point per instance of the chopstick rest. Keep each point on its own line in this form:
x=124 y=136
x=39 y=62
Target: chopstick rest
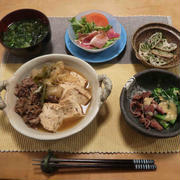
x=51 y=164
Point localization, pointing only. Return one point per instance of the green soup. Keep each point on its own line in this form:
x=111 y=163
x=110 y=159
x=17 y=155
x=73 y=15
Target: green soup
x=24 y=33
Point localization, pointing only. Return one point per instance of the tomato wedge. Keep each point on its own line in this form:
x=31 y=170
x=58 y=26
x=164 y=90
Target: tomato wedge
x=97 y=18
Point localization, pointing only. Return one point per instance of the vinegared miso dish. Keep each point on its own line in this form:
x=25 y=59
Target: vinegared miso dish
x=158 y=109
x=53 y=98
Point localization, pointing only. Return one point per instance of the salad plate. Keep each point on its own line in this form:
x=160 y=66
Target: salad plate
x=98 y=27
x=100 y=57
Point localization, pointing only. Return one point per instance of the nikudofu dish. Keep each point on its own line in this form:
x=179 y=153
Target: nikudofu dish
x=53 y=98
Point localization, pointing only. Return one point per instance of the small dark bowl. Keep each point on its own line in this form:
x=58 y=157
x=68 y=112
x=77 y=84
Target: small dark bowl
x=23 y=14
x=143 y=33
x=148 y=80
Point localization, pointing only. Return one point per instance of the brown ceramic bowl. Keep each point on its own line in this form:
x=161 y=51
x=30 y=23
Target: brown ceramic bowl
x=170 y=33
x=23 y=14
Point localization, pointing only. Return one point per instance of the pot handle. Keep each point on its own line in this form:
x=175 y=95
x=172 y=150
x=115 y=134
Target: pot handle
x=106 y=91
x=3 y=85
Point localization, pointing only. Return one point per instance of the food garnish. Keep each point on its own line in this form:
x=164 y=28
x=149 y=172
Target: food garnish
x=93 y=31
x=158 y=109
x=98 y=19
x=157 y=51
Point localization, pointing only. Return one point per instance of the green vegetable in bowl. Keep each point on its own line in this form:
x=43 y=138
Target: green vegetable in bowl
x=169 y=94
x=83 y=27
x=169 y=101
x=24 y=33
x=109 y=42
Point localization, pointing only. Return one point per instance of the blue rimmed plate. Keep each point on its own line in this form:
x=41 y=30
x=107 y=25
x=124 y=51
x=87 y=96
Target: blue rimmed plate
x=100 y=57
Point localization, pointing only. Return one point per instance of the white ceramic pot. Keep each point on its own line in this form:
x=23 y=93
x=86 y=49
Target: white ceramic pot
x=99 y=94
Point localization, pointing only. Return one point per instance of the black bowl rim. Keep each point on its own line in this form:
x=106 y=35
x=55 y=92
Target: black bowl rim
x=144 y=131
x=27 y=9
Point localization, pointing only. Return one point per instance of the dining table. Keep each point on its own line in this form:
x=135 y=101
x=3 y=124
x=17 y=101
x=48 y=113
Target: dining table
x=17 y=152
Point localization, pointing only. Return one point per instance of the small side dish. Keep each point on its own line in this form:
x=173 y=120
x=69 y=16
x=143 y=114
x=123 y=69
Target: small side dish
x=53 y=98
x=94 y=30
x=157 y=51
x=150 y=103
x=157 y=45
x=24 y=33
x=158 y=109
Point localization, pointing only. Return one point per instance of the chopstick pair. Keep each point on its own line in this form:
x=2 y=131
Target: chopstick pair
x=50 y=164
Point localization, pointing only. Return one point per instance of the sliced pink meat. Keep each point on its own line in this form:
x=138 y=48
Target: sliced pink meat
x=89 y=37
x=96 y=39
x=84 y=45
x=112 y=34
x=99 y=40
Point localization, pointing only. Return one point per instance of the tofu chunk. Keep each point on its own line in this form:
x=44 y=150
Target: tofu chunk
x=77 y=93
x=79 y=79
x=77 y=96
x=51 y=116
x=71 y=109
x=74 y=78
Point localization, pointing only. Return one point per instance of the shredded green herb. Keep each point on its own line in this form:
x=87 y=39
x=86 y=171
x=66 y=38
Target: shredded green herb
x=170 y=94
x=24 y=33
